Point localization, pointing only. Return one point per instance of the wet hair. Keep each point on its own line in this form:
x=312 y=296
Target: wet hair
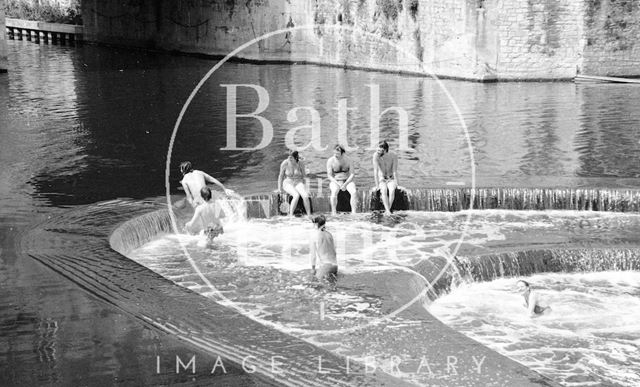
x=186 y=167
x=339 y=147
x=524 y=282
x=383 y=144
x=205 y=192
x=295 y=155
x=319 y=220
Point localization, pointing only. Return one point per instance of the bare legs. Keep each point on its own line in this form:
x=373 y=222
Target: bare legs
x=297 y=191
x=333 y=199
x=387 y=194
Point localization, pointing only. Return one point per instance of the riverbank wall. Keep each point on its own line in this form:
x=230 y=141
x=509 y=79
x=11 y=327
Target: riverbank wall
x=4 y=66
x=480 y=40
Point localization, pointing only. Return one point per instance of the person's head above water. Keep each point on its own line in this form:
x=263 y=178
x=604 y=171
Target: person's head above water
x=522 y=286
x=294 y=154
x=338 y=150
x=205 y=192
x=186 y=167
x=319 y=221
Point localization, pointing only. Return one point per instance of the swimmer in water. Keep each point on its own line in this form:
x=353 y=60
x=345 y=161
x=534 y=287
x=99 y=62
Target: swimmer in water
x=193 y=181
x=205 y=213
x=531 y=299
x=323 y=252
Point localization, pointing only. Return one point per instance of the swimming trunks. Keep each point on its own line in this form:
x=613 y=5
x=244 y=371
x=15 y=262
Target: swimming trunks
x=539 y=309
x=536 y=309
x=213 y=231
x=328 y=271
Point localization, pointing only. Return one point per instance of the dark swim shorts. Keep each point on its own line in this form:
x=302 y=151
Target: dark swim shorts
x=213 y=231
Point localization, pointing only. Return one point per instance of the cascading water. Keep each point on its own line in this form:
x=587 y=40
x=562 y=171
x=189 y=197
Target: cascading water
x=458 y=199
x=589 y=337
x=259 y=266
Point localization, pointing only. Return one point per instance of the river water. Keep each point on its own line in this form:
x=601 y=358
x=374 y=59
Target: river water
x=85 y=124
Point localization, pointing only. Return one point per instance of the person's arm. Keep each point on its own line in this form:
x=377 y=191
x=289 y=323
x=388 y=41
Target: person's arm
x=303 y=170
x=312 y=254
x=195 y=217
x=330 y=171
x=533 y=301
x=281 y=176
x=210 y=179
x=395 y=169
x=351 y=173
x=376 y=166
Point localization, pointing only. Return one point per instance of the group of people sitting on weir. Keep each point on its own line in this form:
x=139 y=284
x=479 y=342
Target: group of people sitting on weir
x=341 y=175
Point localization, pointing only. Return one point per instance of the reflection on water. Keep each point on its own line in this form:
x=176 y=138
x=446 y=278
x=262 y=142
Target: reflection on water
x=85 y=124
x=589 y=338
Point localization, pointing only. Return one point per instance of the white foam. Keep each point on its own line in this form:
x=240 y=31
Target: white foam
x=587 y=331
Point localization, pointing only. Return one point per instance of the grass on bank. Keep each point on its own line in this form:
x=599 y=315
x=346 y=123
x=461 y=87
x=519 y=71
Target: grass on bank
x=44 y=10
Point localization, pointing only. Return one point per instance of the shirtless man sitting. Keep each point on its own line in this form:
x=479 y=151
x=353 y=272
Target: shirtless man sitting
x=193 y=181
x=322 y=252
x=340 y=174
x=385 y=173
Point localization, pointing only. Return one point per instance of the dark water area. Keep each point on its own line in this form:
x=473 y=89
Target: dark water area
x=79 y=125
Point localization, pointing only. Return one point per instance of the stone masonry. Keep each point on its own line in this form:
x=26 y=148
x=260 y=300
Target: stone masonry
x=481 y=40
x=3 y=40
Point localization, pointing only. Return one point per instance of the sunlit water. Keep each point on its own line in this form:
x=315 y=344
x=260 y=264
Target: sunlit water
x=260 y=267
x=79 y=125
x=591 y=337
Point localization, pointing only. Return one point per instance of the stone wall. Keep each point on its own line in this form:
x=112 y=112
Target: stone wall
x=536 y=38
x=3 y=40
x=469 y=39
x=612 y=29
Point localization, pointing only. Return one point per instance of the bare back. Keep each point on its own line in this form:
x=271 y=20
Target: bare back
x=192 y=183
x=325 y=248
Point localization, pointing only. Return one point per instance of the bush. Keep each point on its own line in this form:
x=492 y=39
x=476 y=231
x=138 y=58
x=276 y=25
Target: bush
x=390 y=8
x=44 y=10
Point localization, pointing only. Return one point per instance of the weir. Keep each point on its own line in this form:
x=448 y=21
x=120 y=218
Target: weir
x=458 y=199
x=75 y=245
x=140 y=230
x=525 y=263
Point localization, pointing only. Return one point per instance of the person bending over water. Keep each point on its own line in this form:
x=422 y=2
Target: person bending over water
x=206 y=215
x=385 y=173
x=340 y=174
x=322 y=252
x=531 y=299
x=291 y=179
x=193 y=181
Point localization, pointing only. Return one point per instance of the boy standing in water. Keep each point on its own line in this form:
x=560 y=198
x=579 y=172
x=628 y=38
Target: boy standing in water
x=323 y=252
x=193 y=181
x=206 y=213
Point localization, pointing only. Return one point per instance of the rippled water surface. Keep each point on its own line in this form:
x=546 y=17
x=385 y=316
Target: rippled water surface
x=590 y=338
x=84 y=124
